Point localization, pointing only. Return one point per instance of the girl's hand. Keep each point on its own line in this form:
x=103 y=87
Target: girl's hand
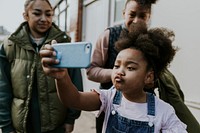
x=48 y=59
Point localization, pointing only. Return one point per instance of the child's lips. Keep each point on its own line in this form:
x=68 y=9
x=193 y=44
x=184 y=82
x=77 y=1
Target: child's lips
x=118 y=79
x=118 y=82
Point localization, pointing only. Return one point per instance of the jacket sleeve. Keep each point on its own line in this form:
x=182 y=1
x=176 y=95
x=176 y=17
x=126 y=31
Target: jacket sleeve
x=170 y=92
x=5 y=94
x=76 y=78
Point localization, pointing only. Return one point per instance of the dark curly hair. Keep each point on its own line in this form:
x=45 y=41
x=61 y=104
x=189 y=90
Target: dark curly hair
x=155 y=44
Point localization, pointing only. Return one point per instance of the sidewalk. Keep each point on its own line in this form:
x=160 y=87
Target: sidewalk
x=85 y=123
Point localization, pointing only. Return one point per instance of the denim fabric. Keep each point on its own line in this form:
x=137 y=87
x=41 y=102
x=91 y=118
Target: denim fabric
x=120 y=124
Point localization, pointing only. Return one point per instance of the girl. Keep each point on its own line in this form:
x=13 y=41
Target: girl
x=143 y=55
x=104 y=56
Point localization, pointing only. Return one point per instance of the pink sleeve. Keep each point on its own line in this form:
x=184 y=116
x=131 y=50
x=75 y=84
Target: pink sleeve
x=172 y=124
x=96 y=72
x=106 y=98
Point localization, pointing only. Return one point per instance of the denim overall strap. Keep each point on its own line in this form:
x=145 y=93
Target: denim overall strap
x=117 y=98
x=151 y=108
x=119 y=124
x=151 y=104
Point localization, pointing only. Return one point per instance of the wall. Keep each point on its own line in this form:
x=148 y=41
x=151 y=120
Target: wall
x=95 y=20
x=183 y=17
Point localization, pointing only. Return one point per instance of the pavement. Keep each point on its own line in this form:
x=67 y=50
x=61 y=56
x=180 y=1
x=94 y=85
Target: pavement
x=85 y=123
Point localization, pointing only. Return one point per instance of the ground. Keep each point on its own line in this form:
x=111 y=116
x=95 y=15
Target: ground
x=85 y=123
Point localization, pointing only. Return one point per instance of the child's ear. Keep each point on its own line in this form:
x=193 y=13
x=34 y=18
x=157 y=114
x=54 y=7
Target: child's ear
x=149 y=79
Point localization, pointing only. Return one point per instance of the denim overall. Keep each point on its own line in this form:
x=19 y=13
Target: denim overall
x=119 y=124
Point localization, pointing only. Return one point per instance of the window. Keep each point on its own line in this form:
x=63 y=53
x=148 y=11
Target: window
x=61 y=15
x=117 y=7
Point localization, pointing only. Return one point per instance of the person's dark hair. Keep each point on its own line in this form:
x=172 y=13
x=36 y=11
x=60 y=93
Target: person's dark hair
x=155 y=44
x=146 y=3
x=28 y=3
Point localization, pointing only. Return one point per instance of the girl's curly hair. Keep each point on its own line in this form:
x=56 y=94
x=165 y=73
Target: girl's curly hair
x=155 y=44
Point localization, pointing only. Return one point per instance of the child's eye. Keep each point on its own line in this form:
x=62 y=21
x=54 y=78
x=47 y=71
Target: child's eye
x=130 y=68
x=116 y=66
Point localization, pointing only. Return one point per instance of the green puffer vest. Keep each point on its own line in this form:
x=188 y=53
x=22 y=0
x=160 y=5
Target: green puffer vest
x=25 y=64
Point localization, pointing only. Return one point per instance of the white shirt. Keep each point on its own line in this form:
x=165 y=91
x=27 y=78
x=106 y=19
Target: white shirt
x=165 y=119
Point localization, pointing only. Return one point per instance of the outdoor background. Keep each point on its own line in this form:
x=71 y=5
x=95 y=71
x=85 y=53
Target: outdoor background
x=180 y=15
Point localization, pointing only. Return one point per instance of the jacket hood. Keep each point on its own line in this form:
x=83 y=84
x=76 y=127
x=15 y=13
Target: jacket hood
x=21 y=36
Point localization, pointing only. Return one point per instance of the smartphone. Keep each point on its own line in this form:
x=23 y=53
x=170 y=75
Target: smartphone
x=73 y=55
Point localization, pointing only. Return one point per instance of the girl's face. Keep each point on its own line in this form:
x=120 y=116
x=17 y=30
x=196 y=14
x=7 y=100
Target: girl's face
x=130 y=72
x=133 y=13
x=39 y=17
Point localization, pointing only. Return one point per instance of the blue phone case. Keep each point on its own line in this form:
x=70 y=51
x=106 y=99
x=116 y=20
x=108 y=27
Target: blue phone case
x=73 y=55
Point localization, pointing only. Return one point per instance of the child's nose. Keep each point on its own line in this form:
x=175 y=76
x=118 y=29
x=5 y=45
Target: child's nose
x=120 y=72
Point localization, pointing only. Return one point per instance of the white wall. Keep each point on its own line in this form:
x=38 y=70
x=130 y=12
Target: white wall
x=183 y=16
x=95 y=20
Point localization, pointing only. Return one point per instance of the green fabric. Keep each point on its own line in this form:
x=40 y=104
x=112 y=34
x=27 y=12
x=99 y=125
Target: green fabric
x=25 y=69
x=170 y=92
